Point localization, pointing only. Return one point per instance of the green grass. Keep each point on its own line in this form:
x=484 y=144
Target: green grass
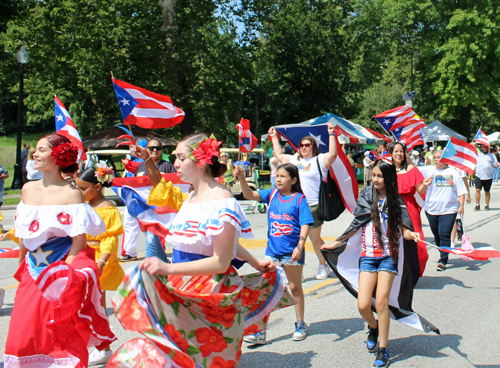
x=11 y=201
x=8 y=155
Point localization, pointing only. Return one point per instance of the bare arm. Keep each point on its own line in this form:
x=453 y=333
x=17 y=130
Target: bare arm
x=337 y=242
x=22 y=251
x=218 y=263
x=245 y=255
x=297 y=252
x=466 y=182
x=245 y=188
x=153 y=172
x=283 y=158
x=410 y=235
x=79 y=243
x=331 y=156
x=461 y=199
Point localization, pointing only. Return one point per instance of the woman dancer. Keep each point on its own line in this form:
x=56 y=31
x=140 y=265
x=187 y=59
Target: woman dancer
x=382 y=236
x=55 y=316
x=289 y=219
x=195 y=310
x=308 y=162
x=410 y=181
x=90 y=182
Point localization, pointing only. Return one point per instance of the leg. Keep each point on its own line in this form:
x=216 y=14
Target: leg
x=478 y=196
x=130 y=237
x=384 y=285
x=487 y=198
x=445 y=225
x=154 y=247
x=433 y=224
x=315 y=237
x=367 y=281
x=294 y=276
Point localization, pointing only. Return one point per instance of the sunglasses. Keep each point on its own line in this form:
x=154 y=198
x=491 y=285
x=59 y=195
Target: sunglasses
x=305 y=145
x=154 y=148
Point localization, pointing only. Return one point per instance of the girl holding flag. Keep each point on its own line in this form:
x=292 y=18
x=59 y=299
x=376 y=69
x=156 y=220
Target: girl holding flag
x=383 y=220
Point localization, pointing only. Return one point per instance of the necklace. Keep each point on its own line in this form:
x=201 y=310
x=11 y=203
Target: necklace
x=198 y=194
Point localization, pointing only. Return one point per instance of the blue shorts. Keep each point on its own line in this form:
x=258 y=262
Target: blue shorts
x=377 y=264
x=286 y=260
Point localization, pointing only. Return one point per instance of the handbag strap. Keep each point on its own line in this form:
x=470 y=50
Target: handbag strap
x=319 y=169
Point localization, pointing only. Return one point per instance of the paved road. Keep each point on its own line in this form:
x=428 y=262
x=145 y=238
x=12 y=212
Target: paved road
x=463 y=302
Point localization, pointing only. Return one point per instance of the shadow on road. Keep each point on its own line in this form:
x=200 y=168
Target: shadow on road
x=439 y=282
x=299 y=359
x=424 y=345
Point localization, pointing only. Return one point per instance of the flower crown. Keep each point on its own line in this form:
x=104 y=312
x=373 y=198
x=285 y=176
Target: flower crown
x=64 y=155
x=104 y=173
x=205 y=150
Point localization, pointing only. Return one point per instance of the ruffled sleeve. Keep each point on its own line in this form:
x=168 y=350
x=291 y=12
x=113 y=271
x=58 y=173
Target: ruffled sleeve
x=407 y=181
x=109 y=239
x=166 y=195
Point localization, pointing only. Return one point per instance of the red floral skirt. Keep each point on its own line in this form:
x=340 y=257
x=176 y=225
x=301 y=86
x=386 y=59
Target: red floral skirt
x=194 y=320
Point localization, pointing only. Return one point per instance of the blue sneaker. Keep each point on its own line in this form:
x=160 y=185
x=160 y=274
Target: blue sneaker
x=382 y=358
x=300 y=331
x=371 y=341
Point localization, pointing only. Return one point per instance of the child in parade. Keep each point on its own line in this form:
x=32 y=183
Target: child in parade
x=55 y=317
x=90 y=181
x=196 y=310
x=384 y=221
x=289 y=218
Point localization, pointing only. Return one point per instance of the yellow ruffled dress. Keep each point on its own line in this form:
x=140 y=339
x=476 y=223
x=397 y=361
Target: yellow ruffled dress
x=113 y=274
x=166 y=194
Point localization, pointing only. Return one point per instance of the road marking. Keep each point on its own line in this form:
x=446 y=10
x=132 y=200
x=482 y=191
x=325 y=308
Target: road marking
x=10 y=287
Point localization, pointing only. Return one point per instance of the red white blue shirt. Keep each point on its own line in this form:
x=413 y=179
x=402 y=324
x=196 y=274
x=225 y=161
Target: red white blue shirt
x=370 y=245
x=285 y=215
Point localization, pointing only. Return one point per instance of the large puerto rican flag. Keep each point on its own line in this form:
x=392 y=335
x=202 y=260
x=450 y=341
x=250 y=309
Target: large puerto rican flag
x=9 y=252
x=341 y=170
x=134 y=194
x=144 y=108
x=66 y=127
x=247 y=140
x=395 y=118
x=460 y=154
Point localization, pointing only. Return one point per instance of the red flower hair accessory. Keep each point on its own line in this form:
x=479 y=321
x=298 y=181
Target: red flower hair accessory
x=64 y=154
x=205 y=150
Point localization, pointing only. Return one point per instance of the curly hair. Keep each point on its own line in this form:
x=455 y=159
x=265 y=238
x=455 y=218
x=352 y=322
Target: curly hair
x=392 y=198
x=391 y=148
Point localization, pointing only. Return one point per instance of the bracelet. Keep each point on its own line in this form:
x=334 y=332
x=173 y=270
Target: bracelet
x=101 y=261
x=330 y=134
x=147 y=159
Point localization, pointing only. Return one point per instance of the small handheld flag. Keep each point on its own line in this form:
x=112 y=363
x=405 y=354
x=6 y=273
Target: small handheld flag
x=66 y=127
x=481 y=138
x=460 y=154
x=144 y=108
x=247 y=140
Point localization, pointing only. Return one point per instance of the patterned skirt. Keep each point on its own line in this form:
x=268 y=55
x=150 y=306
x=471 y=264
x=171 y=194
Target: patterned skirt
x=194 y=321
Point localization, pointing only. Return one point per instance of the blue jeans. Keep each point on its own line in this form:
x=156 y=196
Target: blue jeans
x=441 y=227
x=154 y=247
x=495 y=174
x=273 y=182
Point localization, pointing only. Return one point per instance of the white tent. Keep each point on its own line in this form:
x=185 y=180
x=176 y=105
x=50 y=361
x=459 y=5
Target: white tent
x=437 y=131
x=493 y=137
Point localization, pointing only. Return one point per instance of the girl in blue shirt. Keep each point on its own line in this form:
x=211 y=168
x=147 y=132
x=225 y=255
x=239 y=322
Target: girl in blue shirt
x=289 y=218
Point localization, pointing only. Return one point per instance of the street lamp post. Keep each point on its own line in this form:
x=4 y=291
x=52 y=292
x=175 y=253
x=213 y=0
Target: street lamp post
x=22 y=58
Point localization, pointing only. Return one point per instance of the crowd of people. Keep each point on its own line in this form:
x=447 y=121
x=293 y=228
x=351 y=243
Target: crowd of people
x=196 y=307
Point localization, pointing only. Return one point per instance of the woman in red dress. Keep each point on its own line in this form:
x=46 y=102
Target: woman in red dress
x=410 y=182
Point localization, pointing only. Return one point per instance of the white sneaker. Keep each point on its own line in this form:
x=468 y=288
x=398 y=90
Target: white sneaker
x=100 y=357
x=300 y=331
x=323 y=272
x=2 y=295
x=259 y=338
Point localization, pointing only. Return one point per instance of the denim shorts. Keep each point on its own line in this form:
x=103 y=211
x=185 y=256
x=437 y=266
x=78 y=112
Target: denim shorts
x=377 y=264
x=286 y=260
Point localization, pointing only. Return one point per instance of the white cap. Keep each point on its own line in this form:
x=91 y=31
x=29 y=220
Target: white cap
x=414 y=152
x=367 y=153
x=432 y=148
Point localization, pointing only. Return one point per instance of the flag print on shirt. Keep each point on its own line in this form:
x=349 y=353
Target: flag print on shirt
x=278 y=229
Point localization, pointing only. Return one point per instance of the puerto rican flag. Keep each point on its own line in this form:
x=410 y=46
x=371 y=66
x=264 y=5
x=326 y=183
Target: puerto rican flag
x=144 y=108
x=134 y=194
x=9 y=253
x=481 y=138
x=409 y=133
x=341 y=170
x=247 y=140
x=396 y=118
x=66 y=127
x=460 y=154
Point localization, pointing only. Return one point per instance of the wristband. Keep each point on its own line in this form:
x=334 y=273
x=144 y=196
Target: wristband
x=101 y=261
x=147 y=159
x=331 y=134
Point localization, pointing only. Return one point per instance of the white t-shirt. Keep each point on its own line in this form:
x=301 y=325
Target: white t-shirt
x=309 y=175
x=442 y=195
x=275 y=163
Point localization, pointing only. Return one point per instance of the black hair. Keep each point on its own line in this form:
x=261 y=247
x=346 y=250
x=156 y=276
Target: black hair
x=381 y=143
x=294 y=173
x=155 y=139
x=393 y=145
x=393 y=205
x=88 y=175
x=217 y=168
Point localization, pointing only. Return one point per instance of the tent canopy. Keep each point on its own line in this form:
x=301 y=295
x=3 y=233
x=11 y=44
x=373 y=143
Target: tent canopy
x=493 y=137
x=107 y=138
x=437 y=131
x=347 y=131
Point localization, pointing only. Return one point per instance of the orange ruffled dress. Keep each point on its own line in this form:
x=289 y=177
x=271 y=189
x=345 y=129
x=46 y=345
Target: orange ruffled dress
x=112 y=274
x=406 y=188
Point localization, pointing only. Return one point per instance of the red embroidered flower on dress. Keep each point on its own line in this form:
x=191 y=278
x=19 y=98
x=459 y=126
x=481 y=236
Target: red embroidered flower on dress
x=218 y=362
x=206 y=150
x=211 y=340
x=64 y=154
x=34 y=226
x=64 y=218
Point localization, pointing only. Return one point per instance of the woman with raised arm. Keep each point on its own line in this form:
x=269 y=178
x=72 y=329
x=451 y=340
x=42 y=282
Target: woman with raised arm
x=57 y=313
x=196 y=310
x=309 y=162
